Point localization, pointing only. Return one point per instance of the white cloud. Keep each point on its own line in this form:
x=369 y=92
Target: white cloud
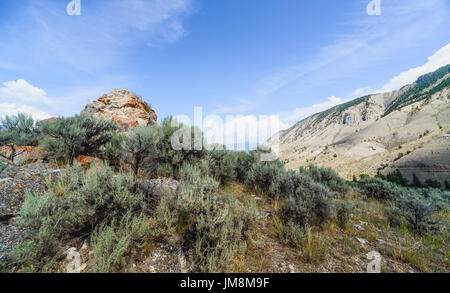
x=22 y=91
x=403 y=23
x=301 y=113
x=361 y=92
x=21 y=97
x=439 y=59
x=12 y=109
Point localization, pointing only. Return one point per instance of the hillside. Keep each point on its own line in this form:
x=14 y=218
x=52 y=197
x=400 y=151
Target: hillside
x=403 y=129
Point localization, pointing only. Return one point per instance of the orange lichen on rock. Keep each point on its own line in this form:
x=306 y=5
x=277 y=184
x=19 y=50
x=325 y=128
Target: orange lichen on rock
x=87 y=161
x=125 y=123
x=23 y=153
x=124 y=107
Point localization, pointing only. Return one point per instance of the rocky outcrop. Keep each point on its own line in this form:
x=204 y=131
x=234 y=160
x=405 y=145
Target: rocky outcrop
x=18 y=154
x=123 y=107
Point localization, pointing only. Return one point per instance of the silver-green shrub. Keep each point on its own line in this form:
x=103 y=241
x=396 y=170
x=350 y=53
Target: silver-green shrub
x=110 y=242
x=74 y=206
x=328 y=177
x=67 y=138
x=213 y=227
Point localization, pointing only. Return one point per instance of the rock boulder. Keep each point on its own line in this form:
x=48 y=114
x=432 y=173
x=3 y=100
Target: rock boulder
x=123 y=107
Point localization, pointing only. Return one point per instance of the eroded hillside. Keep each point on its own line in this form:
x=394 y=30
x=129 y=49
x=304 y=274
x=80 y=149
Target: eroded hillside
x=404 y=129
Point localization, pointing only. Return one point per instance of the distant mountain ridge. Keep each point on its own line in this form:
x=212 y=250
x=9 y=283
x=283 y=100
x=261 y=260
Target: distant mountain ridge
x=378 y=132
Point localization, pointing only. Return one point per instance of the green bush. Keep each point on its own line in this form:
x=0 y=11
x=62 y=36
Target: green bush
x=418 y=212
x=222 y=165
x=72 y=207
x=213 y=227
x=289 y=233
x=440 y=199
x=364 y=176
x=397 y=178
x=394 y=216
x=447 y=185
x=309 y=203
x=175 y=158
x=433 y=183
x=244 y=162
x=113 y=151
x=165 y=170
x=139 y=148
x=102 y=196
x=328 y=177
x=39 y=254
x=20 y=130
x=110 y=242
x=264 y=177
x=67 y=138
x=380 y=189
x=343 y=212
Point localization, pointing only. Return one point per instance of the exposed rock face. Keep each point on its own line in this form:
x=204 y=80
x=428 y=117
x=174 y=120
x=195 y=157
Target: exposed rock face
x=370 y=133
x=123 y=107
x=22 y=153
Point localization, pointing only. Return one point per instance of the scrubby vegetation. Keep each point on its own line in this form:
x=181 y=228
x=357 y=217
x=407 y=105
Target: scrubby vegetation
x=212 y=227
x=227 y=206
x=66 y=138
x=19 y=130
x=328 y=177
x=74 y=206
x=171 y=160
x=138 y=148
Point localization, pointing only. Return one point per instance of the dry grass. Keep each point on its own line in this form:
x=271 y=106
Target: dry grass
x=330 y=248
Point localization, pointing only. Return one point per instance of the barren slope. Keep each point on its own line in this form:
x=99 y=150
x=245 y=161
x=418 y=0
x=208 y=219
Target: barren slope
x=371 y=133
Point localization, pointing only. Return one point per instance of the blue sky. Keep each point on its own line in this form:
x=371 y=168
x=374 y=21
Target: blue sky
x=288 y=58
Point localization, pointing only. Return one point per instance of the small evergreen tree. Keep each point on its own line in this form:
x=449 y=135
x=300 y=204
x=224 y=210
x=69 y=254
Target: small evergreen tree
x=433 y=183
x=397 y=177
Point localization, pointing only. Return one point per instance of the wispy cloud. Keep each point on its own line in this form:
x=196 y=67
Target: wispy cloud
x=372 y=39
x=304 y=112
x=97 y=39
x=437 y=60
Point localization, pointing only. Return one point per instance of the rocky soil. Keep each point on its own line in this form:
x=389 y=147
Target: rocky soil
x=15 y=181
